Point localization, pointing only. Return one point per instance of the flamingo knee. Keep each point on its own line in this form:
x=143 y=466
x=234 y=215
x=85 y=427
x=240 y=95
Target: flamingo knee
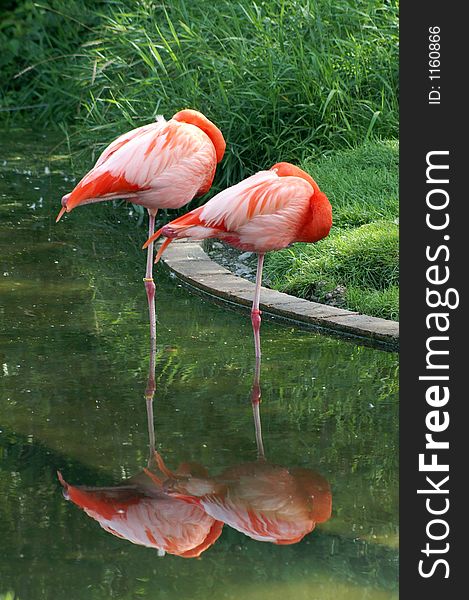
x=256 y=318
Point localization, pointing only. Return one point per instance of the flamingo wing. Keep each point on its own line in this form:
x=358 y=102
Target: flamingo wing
x=125 y=138
x=262 y=212
x=151 y=164
x=261 y=195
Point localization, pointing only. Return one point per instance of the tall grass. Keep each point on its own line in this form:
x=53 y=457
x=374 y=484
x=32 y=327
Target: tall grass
x=284 y=79
x=362 y=183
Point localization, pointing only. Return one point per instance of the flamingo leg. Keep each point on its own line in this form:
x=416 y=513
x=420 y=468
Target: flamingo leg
x=255 y=312
x=153 y=477
x=148 y=280
x=149 y=394
x=255 y=402
x=162 y=467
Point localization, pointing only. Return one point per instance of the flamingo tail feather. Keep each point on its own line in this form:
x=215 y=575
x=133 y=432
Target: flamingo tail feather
x=151 y=239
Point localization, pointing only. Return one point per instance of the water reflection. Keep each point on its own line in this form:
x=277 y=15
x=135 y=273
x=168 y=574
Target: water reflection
x=265 y=501
x=182 y=512
x=140 y=511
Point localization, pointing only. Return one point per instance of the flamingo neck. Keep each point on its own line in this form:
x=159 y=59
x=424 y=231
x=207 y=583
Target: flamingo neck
x=193 y=117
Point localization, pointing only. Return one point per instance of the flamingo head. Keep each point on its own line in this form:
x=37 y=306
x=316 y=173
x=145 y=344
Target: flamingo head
x=319 y=222
x=318 y=490
x=194 y=117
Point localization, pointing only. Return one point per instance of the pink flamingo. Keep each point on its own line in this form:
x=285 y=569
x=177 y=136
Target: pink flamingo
x=267 y=211
x=141 y=512
x=265 y=501
x=160 y=165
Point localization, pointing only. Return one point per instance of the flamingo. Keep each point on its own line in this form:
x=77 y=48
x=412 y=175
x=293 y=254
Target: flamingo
x=164 y=164
x=140 y=511
x=267 y=211
x=265 y=501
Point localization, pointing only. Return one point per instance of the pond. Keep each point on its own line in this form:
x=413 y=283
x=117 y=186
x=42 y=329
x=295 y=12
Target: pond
x=74 y=361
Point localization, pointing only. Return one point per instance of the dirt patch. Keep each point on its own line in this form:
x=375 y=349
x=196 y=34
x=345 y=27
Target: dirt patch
x=242 y=264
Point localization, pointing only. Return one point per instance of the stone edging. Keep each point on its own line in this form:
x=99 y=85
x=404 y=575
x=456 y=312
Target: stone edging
x=192 y=265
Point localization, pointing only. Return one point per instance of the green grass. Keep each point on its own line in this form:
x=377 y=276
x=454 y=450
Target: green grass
x=284 y=79
x=362 y=184
x=381 y=303
x=357 y=266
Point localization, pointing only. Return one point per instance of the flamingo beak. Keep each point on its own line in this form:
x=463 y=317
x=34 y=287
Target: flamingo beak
x=65 y=199
x=62 y=211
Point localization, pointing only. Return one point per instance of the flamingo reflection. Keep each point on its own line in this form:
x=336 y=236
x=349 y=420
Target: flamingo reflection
x=140 y=511
x=265 y=501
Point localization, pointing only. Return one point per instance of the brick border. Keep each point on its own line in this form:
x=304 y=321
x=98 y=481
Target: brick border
x=190 y=263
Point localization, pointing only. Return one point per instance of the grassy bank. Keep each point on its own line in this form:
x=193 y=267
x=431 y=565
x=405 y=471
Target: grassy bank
x=357 y=266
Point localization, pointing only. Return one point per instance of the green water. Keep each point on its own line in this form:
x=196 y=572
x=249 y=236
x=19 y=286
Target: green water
x=73 y=368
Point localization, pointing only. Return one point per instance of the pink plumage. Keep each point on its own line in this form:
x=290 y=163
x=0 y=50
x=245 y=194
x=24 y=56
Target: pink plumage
x=160 y=165
x=267 y=211
x=266 y=502
x=140 y=512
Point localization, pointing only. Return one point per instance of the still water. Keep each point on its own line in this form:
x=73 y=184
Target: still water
x=74 y=360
